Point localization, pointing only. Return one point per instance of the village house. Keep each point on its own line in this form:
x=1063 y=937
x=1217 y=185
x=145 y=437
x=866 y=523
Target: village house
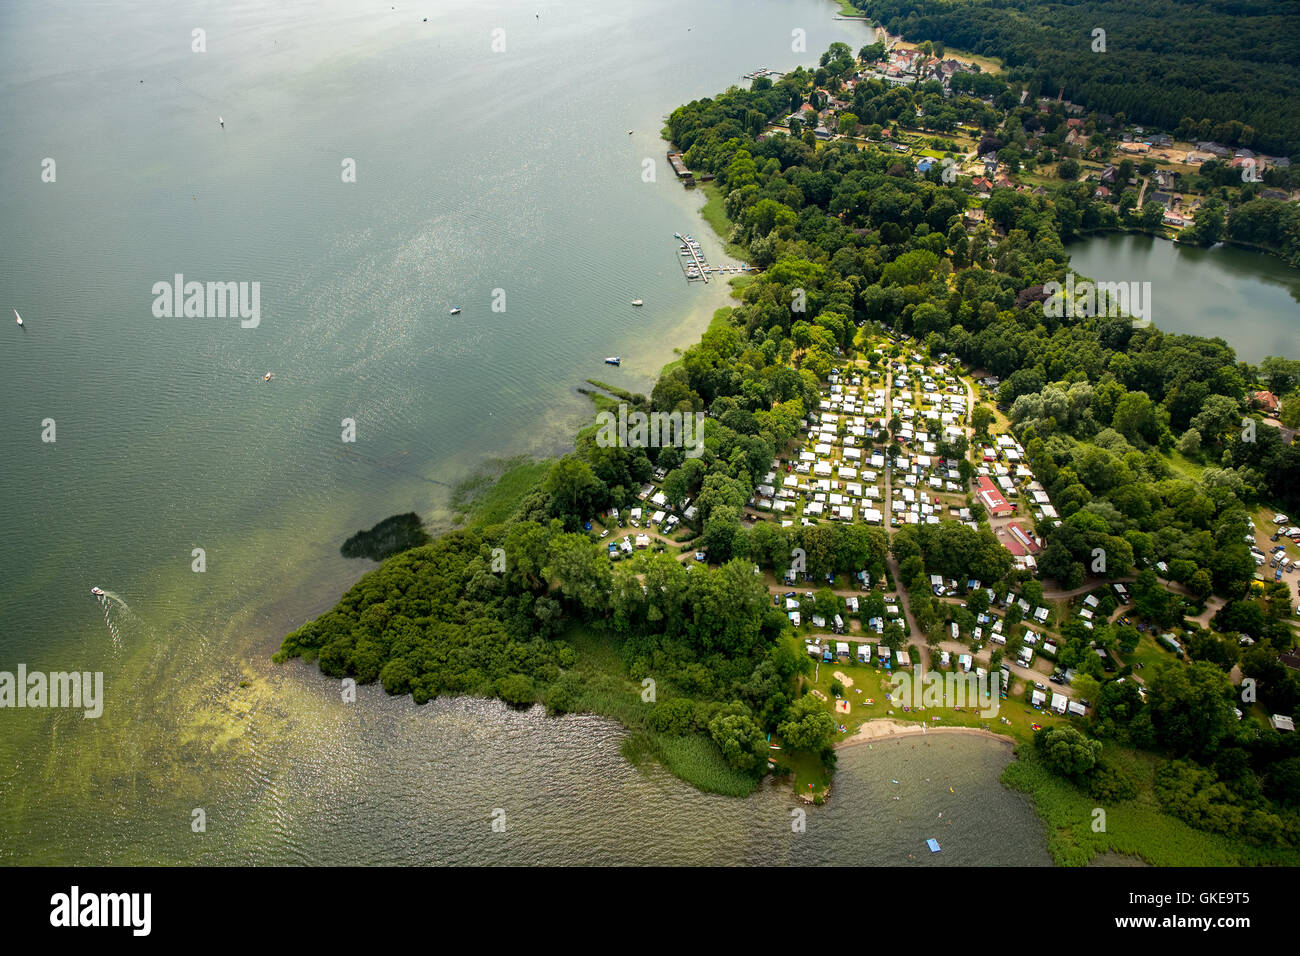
x=1266 y=401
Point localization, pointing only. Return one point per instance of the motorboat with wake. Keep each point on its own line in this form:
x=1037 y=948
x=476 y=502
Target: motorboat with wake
x=613 y=360
x=98 y=592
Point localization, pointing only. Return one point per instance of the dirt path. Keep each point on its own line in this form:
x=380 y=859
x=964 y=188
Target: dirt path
x=913 y=630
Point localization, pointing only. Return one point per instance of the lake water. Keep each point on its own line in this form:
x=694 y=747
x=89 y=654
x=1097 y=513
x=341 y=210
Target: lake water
x=475 y=171
x=1248 y=298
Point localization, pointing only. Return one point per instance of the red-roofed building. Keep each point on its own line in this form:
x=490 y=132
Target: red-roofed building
x=992 y=499
x=1265 y=400
x=1024 y=538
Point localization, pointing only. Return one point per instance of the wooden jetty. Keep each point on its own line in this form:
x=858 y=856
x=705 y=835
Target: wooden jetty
x=696 y=258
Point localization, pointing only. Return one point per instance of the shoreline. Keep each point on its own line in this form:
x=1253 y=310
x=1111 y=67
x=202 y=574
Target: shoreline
x=887 y=729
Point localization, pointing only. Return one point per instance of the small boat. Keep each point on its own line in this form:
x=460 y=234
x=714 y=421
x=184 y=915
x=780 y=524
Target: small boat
x=455 y=311
x=222 y=122
x=18 y=317
x=267 y=377
x=629 y=132
x=98 y=592
x=613 y=360
x=637 y=302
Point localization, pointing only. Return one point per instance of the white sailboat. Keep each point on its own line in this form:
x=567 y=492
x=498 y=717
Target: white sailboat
x=18 y=317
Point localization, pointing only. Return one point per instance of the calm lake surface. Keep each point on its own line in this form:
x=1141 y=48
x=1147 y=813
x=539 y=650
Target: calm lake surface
x=1248 y=298
x=475 y=171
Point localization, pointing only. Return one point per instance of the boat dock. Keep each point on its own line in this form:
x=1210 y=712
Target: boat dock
x=696 y=268
x=761 y=71
x=693 y=264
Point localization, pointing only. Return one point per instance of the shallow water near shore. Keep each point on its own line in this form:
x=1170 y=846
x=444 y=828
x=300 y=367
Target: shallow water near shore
x=473 y=174
x=566 y=797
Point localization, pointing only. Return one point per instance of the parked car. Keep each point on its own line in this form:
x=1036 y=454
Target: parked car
x=604 y=533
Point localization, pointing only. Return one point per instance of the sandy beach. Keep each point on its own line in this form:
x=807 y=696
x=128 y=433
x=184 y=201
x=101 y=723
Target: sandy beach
x=874 y=730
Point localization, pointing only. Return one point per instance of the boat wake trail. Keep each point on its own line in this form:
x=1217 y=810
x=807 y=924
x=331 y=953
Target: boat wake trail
x=112 y=603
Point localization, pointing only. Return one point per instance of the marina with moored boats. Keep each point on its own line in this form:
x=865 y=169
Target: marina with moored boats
x=695 y=267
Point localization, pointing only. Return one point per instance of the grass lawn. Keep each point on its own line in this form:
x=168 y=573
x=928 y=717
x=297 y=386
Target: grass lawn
x=1041 y=178
x=1148 y=653
x=809 y=774
x=715 y=214
x=1187 y=468
x=874 y=684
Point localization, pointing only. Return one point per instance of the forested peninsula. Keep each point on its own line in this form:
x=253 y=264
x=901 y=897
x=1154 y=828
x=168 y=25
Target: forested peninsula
x=878 y=280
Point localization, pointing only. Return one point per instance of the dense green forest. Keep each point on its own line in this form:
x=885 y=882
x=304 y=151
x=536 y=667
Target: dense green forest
x=871 y=248
x=1229 y=65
